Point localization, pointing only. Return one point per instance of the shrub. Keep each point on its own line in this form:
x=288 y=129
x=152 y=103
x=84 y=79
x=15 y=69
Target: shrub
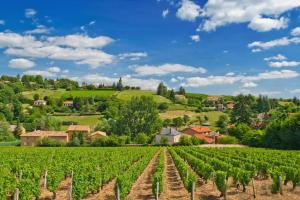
x=227 y=140
x=48 y=142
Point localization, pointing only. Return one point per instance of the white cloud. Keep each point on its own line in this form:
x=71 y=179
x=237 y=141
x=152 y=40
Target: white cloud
x=165 y=13
x=40 y=72
x=230 y=74
x=217 y=13
x=80 y=41
x=77 y=48
x=133 y=56
x=295 y=31
x=188 y=10
x=279 y=64
x=146 y=70
x=92 y=23
x=65 y=71
x=150 y=84
x=54 y=69
x=258 y=45
x=266 y=24
x=195 y=38
x=40 y=29
x=295 y=91
x=277 y=57
x=2 y=22
x=173 y=80
x=227 y=80
x=249 y=85
x=30 y=13
x=21 y=63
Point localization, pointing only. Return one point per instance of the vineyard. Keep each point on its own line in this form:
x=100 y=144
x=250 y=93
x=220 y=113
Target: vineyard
x=148 y=173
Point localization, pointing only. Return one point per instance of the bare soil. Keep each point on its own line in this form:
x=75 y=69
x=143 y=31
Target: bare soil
x=142 y=188
x=173 y=185
x=63 y=190
x=106 y=193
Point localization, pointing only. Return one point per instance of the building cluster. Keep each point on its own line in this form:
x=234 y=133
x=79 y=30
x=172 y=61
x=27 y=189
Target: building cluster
x=201 y=132
x=32 y=138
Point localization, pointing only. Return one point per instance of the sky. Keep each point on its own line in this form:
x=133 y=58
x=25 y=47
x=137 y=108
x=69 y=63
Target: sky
x=218 y=47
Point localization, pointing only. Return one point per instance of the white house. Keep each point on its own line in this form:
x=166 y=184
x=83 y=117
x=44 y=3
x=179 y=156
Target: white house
x=39 y=103
x=170 y=133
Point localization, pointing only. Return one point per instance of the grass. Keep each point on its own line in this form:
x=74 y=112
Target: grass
x=12 y=143
x=213 y=116
x=67 y=94
x=126 y=95
x=91 y=120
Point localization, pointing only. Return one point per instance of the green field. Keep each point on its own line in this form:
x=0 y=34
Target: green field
x=68 y=94
x=91 y=120
x=128 y=94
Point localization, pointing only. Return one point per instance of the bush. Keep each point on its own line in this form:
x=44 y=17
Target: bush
x=163 y=106
x=227 y=140
x=239 y=130
x=253 y=138
x=48 y=142
x=142 y=138
x=108 y=141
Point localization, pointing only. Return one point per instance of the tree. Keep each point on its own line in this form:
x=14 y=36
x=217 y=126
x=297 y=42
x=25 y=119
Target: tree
x=120 y=85
x=141 y=138
x=222 y=121
x=263 y=104
x=181 y=91
x=5 y=133
x=199 y=119
x=242 y=110
x=178 y=122
x=239 y=130
x=172 y=95
x=49 y=123
x=253 y=138
x=36 y=96
x=161 y=89
x=186 y=118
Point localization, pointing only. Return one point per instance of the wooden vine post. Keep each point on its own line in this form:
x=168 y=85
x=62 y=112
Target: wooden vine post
x=17 y=194
x=253 y=187
x=280 y=185
x=45 y=179
x=118 y=192
x=193 y=191
x=71 y=186
x=157 y=190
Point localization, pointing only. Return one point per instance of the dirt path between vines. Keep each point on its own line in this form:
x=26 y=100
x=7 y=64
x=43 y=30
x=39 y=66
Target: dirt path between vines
x=107 y=192
x=63 y=190
x=142 y=188
x=173 y=185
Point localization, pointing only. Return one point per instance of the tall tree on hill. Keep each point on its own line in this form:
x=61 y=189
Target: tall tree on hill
x=172 y=95
x=161 y=89
x=242 y=110
x=120 y=85
x=263 y=104
x=181 y=91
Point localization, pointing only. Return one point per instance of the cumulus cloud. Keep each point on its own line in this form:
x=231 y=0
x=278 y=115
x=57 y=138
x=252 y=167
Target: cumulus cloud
x=188 y=10
x=227 y=80
x=54 y=69
x=165 y=13
x=266 y=24
x=133 y=56
x=249 y=85
x=2 y=22
x=223 y=12
x=285 y=41
x=149 y=84
x=29 y=13
x=81 y=49
x=277 y=57
x=40 y=29
x=295 y=31
x=21 y=63
x=279 y=64
x=173 y=80
x=295 y=91
x=195 y=38
x=146 y=70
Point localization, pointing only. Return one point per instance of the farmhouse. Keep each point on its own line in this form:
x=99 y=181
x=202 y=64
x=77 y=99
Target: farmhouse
x=40 y=103
x=230 y=105
x=170 y=133
x=78 y=129
x=203 y=133
x=68 y=103
x=97 y=134
x=32 y=138
x=220 y=107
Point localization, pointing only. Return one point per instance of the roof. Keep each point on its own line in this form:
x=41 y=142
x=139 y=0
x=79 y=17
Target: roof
x=206 y=138
x=40 y=133
x=68 y=101
x=79 y=128
x=101 y=133
x=39 y=100
x=200 y=129
x=169 y=131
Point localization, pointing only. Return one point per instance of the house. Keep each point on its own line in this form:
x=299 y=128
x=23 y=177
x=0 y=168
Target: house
x=213 y=98
x=40 y=103
x=170 y=133
x=220 y=107
x=97 y=134
x=32 y=138
x=230 y=105
x=68 y=103
x=75 y=129
x=203 y=133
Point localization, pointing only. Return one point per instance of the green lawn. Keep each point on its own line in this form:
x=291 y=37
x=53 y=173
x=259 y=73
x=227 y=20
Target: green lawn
x=67 y=94
x=128 y=94
x=91 y=120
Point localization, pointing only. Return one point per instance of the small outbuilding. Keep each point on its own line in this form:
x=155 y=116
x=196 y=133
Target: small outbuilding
x=97 y=134
x=170 y=133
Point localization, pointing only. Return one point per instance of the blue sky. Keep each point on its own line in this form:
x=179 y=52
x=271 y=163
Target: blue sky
x=214 y=47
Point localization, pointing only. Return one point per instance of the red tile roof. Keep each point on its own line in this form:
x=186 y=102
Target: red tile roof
x=40 y=133
x=200 y=129
x=79 y=128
